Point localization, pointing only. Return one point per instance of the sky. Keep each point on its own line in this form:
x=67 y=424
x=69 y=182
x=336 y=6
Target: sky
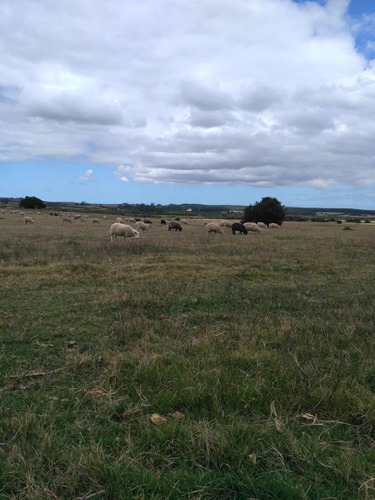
x=188 y=101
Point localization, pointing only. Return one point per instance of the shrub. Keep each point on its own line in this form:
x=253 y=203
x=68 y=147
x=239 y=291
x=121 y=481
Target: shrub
x=31 y=202
x=268 y=210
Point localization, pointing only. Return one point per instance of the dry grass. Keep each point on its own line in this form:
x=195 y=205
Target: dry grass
x=263 y=342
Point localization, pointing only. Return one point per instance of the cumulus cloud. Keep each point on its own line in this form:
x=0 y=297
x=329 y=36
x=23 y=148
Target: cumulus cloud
x=206 y=97
x=87 y=176
x=120 y=171
x=264 y=93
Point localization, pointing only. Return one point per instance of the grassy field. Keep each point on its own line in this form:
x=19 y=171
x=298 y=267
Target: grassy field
x=186 y=365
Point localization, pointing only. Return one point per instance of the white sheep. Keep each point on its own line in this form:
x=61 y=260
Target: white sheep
x=142 y=225
x=119 y=229
x=65 y=218
x=251 y=226
x=228 y=223
x=77 y=217
x=262 y=225
x=119 y=219
x=29 y=220
x=95 y=221
x=214 y=227
x=273 y=225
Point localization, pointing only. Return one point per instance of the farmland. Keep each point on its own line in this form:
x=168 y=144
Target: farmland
x=186 y=365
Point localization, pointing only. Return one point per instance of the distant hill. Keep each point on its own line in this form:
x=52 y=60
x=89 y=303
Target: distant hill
x=329 y=211
x=190 y=209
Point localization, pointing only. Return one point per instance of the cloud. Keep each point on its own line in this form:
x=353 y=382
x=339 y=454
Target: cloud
x=210 y=119
x=64 y=97
x=87 y=176
x=119 y=173
x=262 y=93
x=203 y=96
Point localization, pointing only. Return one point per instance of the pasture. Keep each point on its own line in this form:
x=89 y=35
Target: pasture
x=186 y=365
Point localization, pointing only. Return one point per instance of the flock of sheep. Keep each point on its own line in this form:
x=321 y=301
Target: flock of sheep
x=217 y=227
x=119 y=228
x=123 y=228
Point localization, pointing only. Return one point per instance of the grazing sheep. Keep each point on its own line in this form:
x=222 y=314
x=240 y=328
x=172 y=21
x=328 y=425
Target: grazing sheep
x=141 y=225
x=214 y=227
x=65 y=218
x=119 y=229
x=29 y=220
x=147 y=221
x=237 y=226
x=251 y=226
x=262 y=225
x=77 y=216
x=105 y=217
x=163 y=222
x=95 y=221
x=119 y=219
x=174 y=225
x=273 y=225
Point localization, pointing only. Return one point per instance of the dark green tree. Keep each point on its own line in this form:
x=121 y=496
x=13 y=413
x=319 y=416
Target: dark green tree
x=31 y=202
x=268 y=210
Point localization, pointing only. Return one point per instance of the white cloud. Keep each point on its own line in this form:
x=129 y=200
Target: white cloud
x=87 y=176
x=119 y=173
x=260 y=92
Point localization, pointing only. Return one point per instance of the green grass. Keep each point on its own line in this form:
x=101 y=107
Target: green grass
x=249 y=337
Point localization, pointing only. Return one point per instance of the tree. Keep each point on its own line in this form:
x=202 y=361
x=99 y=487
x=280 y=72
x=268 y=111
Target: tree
x=31 y=202
x=268 y=210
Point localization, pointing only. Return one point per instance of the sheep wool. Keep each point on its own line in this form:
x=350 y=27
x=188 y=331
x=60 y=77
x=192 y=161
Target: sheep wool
x=214 y=227
x=119 y=229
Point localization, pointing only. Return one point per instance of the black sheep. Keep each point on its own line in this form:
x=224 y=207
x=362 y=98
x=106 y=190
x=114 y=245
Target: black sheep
x=174 y=225
x=237 y=226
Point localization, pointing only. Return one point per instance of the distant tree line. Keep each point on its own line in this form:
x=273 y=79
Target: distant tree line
x=174 y=208
x=331 y=212
x=7 y=200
